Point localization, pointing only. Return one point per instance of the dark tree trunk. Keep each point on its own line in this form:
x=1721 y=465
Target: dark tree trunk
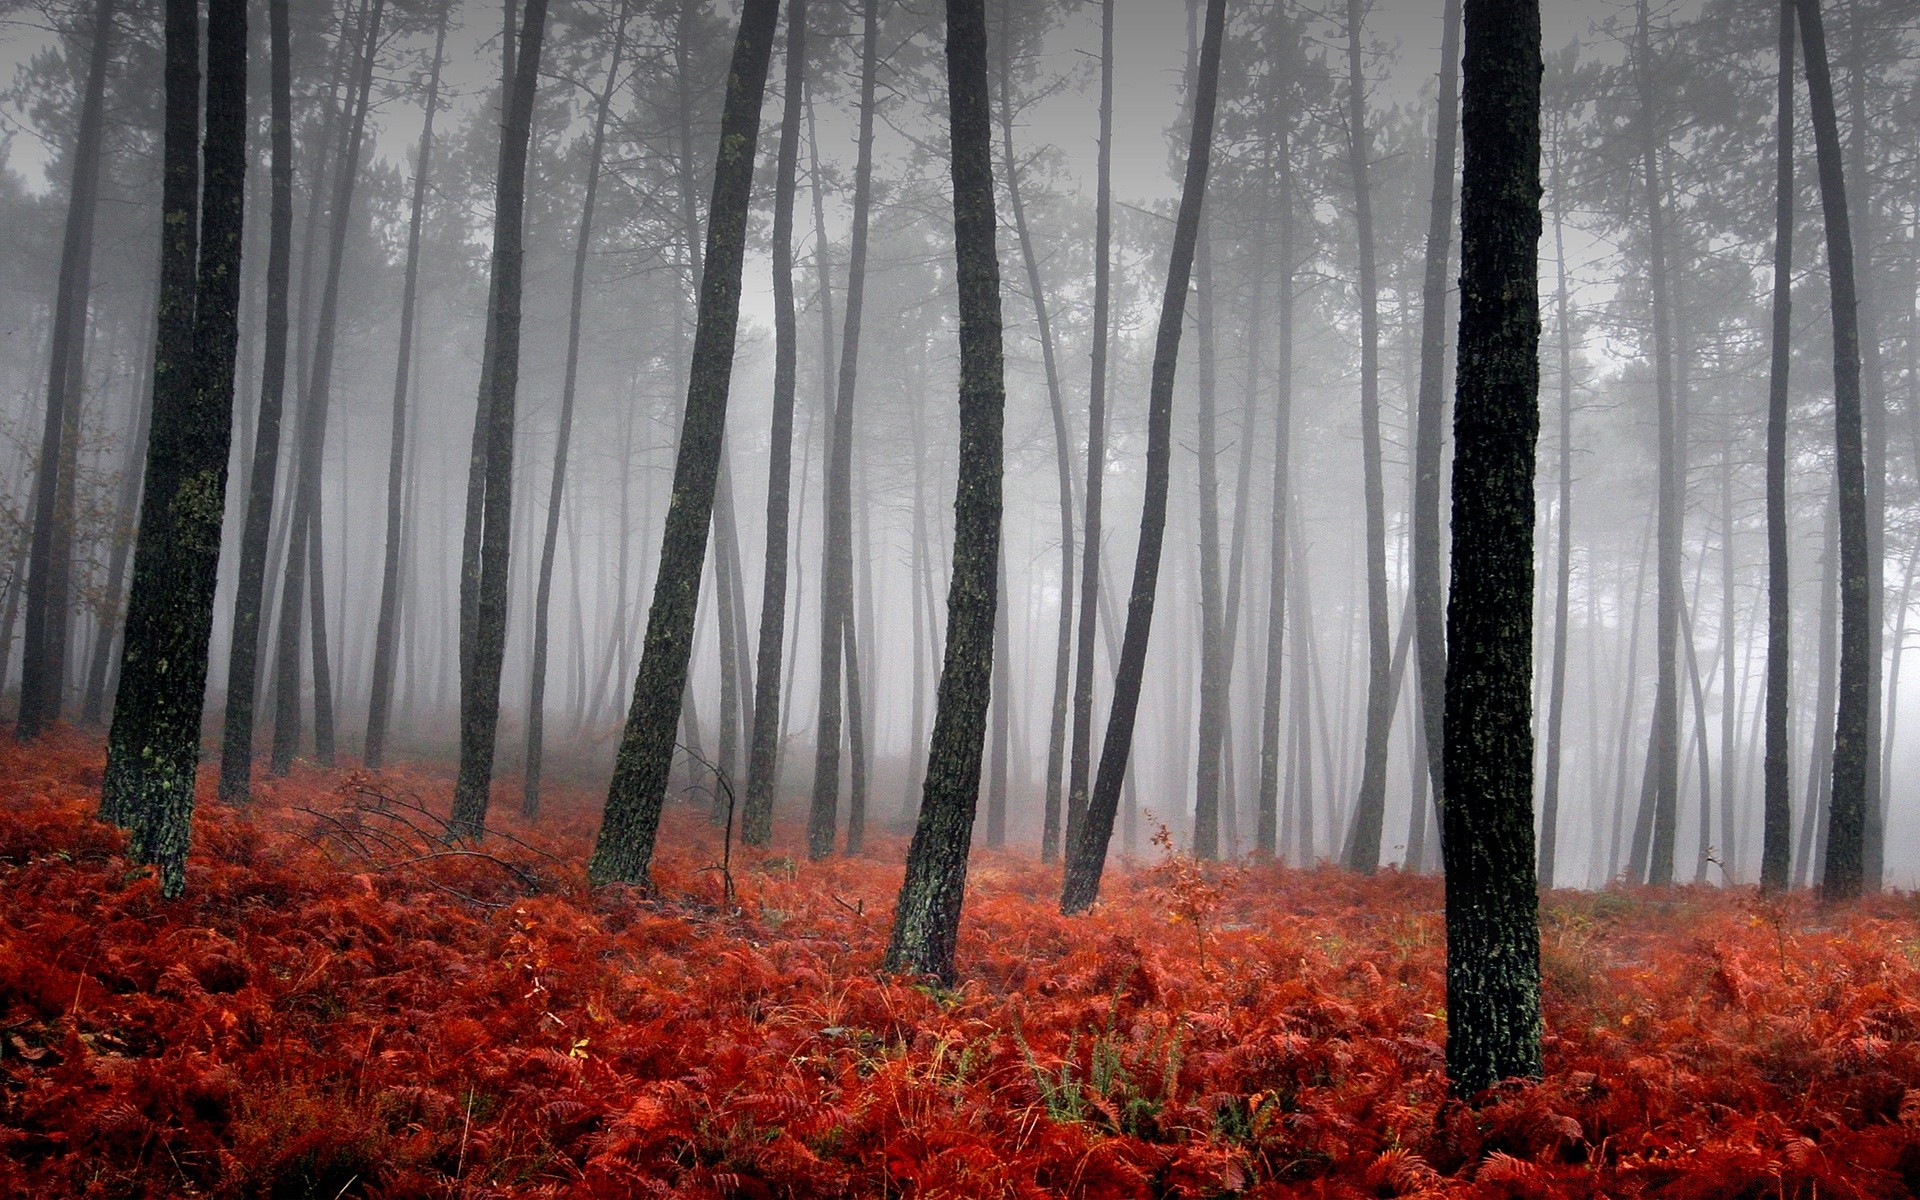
x=1563 y=550
x=1268 y=824
x=153 y=750
x=1370 y=807
x=1493 y=940
x=836 y=570
x=1819 y=789
x=1852 y=731
x=387 y=633
x=624 y=849
x=303 y=582
x=926 y=920
x=1051 y=813
x=1002 y=714
x=1653 y=852
x=1430 y=407
x=763 y=754
x=1086 y=855
x=1776 y=851
x=44 y=649
x=563 y=438
x=483 y=574
x=243 y=673
x=1080 y=752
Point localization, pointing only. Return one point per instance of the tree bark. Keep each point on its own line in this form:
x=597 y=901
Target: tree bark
x=926 y=919
x=1845 y=874
x=1493 y=940
x=763 y=754
x=387 y=634
x=624 y=849
x=1086 y=855
x=1776 y=851
x=153 y=749
x=563 y=437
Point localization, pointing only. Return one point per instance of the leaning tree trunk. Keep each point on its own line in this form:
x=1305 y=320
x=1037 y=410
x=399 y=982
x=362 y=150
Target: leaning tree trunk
x=624 y=849
x=1852 y=732
x=387 y=631
x=44 y=647
x=1563 y=550
x=926 y=919
x=1062 y=451
x=763 y=753
x=1080 y=751
x=1776 y=850
x=153 y=750
x=302 y=581
x=1086 y=856
x=236 y=744
x=1362 y=851
x=483 y=575
x=1493 y=939
x=543 y=592
x=836 y=570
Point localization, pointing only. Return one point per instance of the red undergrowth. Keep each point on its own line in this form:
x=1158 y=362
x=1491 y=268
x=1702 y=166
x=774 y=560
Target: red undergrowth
x=310 y=1022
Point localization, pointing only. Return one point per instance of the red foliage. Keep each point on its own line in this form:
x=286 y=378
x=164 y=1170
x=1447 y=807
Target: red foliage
x=304 y=1025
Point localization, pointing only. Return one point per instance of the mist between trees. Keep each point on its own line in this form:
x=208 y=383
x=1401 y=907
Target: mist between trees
x=1288 y=692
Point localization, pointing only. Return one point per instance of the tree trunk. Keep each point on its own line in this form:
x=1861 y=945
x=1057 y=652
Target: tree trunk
x=93 y=706
x=483 y=573
x=926 y=919
x=386 y=636
x=1493 y=940
x=1429 y=597
x=1001 y=716
x=1086 y=855
x=1080 y=754
x=1845 y=874
x=563 y=438
x=44 y=648
x=1820 y=756
x=153 y=749
x=1557 y=688
x=763 y=755
x=1268 y=822
x=1213 y=692
x=1370 y=806
x=624 y=850
x=1776 y=852
x=836 y=570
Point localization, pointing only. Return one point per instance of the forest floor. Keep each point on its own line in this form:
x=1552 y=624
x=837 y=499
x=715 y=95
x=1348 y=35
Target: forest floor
x=317 y=1019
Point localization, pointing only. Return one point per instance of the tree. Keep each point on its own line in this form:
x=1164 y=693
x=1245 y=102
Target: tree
x=1563 y=516
x=926 y=919
x=1493 y=940
x=1429 y=597
x=1776 y=852
x=838 y=650
x=1362 y=851
x=153 y=748
x=543 y=589
x=44 y=651
x=236 y=742
x=1852 y=731
x=763 y=754
x=386 y=635
x=624 y=849
x=1086 y=855
x=483 y=565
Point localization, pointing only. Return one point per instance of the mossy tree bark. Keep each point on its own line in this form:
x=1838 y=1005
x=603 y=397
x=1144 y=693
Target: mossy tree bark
x=1493 y=940
x=1087 y=854
x=153 y=749
x=243 y=660
x=926 y=920
x=1844 y=875
x=623 y=852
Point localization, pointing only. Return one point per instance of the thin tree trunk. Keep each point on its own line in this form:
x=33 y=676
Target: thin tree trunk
x=1820 y=755
x=624 y=850
x=763 y=755
x=153 y=749
x=1268 y=823
x=44 y=649
x=1001 y=718
x=1493 y=940
x=1086 y=856
x=1557 y=688
x=1776 y=852
x=563 y=438
x=93 y=706
x=386 y=636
